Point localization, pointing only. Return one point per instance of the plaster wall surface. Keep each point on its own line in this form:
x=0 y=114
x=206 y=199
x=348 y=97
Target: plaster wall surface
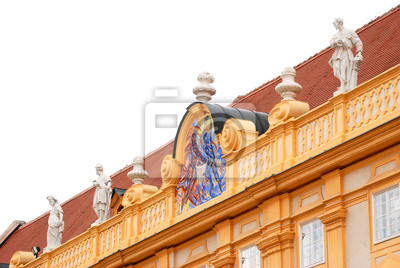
x=357 y=236
x=386 y=167
x=212 y=243
x=246 y=227
x=181 y=256
x=356 y=179
x=307 y=200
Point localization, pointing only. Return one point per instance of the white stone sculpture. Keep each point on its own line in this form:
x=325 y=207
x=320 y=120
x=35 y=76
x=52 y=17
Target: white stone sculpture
x=288 y=88
x=204 y=90
x=344 y=63
x=56 y=225
x=138 y=174
x=102 y=196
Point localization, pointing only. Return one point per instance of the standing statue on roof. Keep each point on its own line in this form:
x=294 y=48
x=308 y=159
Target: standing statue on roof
x=56 y=225
x=344 y=64
x=102 y=196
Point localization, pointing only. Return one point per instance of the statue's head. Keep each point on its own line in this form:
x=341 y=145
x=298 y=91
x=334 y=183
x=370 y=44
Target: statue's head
x=338 y=23
x=52 y=200
x=99 y=168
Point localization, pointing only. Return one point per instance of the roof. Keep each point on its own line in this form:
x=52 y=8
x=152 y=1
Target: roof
x=381 y=52
x=78 y=211
x=118 y=191
x=381 y=41
x=10 y=230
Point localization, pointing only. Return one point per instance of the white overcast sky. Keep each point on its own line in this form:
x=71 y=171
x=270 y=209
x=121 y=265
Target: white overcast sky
x=75 y=77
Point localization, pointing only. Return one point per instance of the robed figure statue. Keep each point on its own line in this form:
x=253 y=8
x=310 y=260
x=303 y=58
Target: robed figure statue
x=102 y=196
x=344 y=63
x=56 y=225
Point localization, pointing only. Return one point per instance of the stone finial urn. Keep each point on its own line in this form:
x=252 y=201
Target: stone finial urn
x=138 y=174
x=288 y=88
x=205 y=89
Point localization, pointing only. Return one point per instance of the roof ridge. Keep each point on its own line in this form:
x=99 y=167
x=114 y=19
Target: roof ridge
x=240 y=98
x=379 y=18
x=32 y=221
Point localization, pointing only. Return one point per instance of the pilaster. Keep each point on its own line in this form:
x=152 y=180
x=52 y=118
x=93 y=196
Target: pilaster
x=170 y=194
x=277 y=238
x=225 y=253
x=163 y=258
x=334 y=219
x=94 y=233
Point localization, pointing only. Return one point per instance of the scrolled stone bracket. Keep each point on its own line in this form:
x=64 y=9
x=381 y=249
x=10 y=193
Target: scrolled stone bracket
x=285 y=110
x=20 y=258
x=170 y=170
x=236 y=134
x=289 y=107
x=138 y=191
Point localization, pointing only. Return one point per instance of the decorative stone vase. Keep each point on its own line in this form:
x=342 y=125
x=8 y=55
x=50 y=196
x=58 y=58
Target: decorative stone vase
x=288 y=88
x=138 y=174
x=205 y=90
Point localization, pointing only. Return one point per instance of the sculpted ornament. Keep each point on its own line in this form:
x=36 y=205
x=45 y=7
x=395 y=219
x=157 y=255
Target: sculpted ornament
x=138 y=191
x=344 y=63
x=102 y=196
x=20 y=258
x=236 y=134
x=205 y=90
x=288 y=108
x=56 y=225
x=170 y=170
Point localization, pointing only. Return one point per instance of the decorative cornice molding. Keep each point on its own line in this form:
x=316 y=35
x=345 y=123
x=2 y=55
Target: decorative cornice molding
x=334 y=219
x=276 y=242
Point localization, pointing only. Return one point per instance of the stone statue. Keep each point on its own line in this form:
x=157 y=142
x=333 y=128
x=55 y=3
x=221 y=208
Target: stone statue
x=102 y=196
x=344 y=64
x=56 y=225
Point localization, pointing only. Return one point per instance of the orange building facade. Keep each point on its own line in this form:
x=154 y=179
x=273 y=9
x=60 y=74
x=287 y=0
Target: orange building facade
x=318 y=190
x=294 y=188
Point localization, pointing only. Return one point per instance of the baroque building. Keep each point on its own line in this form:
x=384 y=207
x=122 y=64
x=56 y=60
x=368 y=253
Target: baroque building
x=306 y=182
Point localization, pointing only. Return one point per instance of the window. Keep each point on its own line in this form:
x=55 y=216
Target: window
x=386 y=214
x=250 y=257
x=312 y=243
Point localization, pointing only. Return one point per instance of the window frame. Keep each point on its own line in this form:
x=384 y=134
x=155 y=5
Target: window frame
x=244 y=248
x=301 y=243
x=385 y=190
